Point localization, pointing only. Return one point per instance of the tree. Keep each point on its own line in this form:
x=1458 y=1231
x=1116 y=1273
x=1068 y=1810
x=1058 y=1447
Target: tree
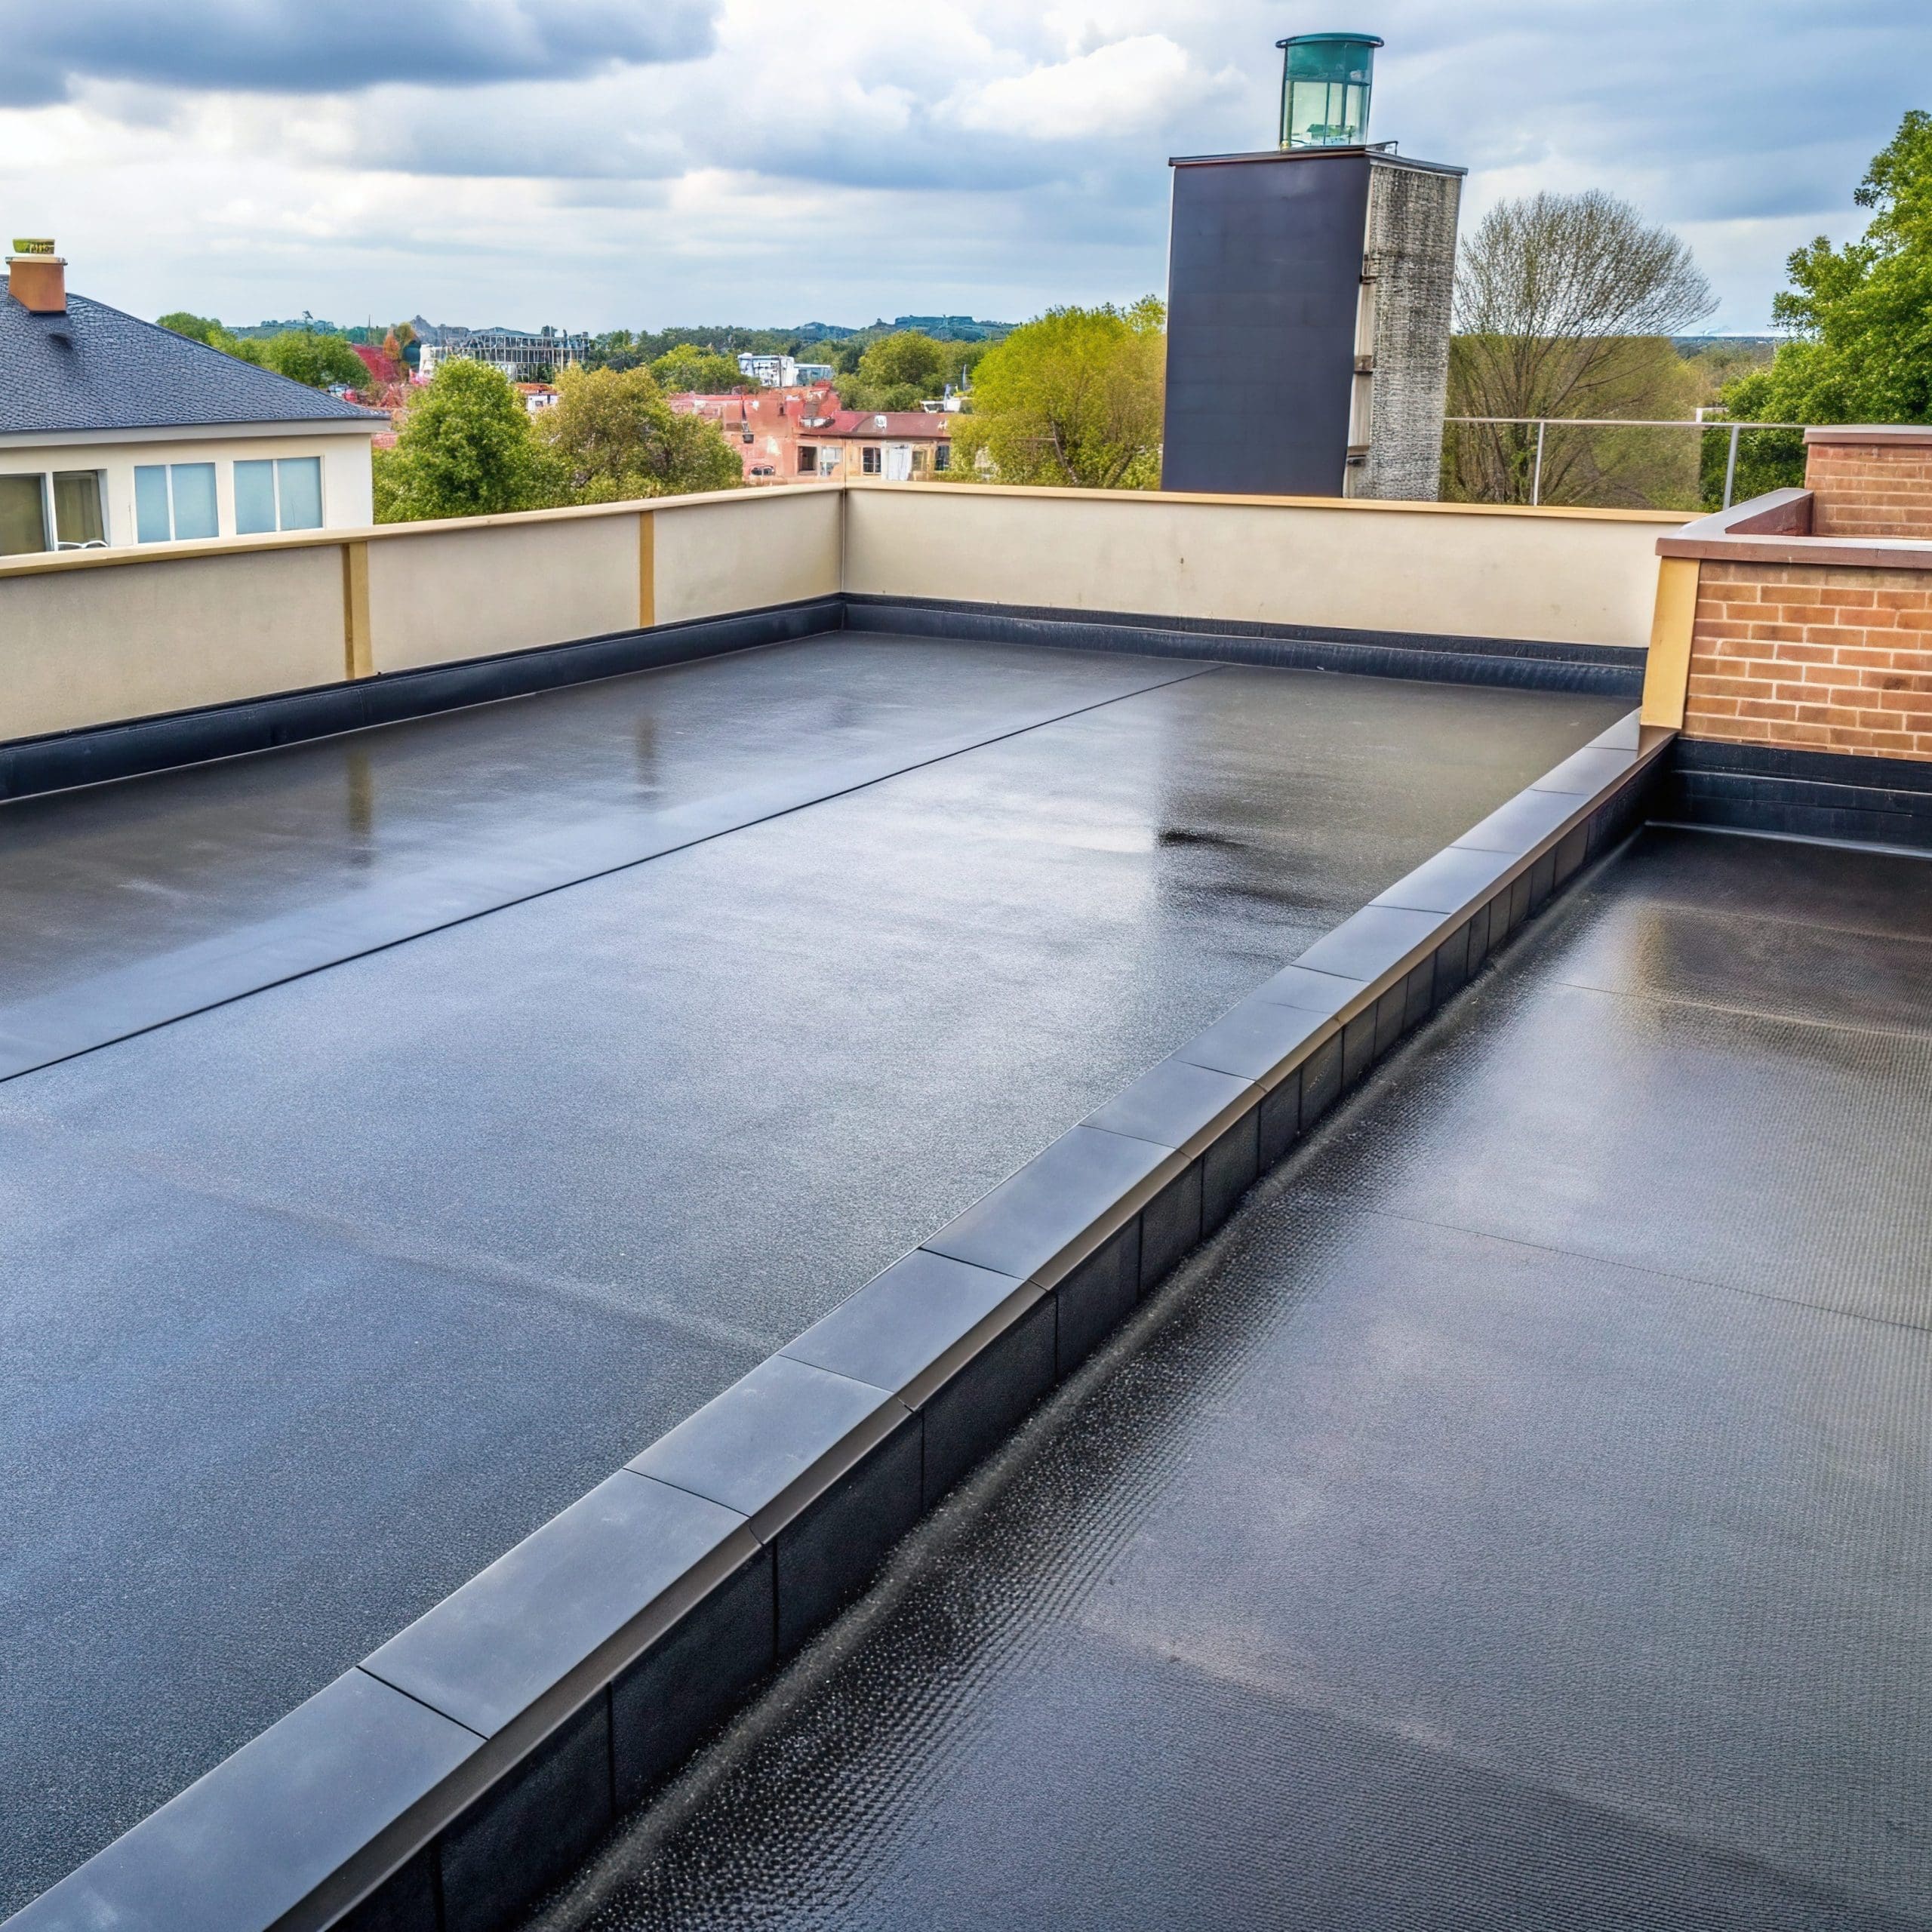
x=206 y=329
x=613 y=437
x=197 y=328
x=1072 y=398
x=897 y=372
x=465 y=450
x=308 y=356
x=1859 y=318
x=1564 y=306
x=687 y=367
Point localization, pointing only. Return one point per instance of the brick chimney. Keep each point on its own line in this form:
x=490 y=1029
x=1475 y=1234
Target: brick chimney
x=37 y=278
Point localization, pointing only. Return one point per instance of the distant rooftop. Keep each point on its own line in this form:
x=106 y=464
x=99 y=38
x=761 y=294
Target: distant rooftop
x=90 y=367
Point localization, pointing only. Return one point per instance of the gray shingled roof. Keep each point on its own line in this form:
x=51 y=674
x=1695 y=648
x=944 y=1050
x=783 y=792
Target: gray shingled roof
x=95 y=368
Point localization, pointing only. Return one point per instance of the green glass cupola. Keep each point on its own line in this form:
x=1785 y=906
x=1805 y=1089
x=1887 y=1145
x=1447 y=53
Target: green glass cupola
x=1325 y=83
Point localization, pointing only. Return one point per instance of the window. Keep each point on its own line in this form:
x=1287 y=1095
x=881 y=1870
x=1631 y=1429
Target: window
x=282 y=493
x=808 y=459
x=298 y=491
x=68 y=502
x=868 y=462
x=78 y=524
x=174 y=501
x=943 y=457
x=23 y=515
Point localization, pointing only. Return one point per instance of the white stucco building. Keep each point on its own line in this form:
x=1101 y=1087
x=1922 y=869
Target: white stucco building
x=115 y=431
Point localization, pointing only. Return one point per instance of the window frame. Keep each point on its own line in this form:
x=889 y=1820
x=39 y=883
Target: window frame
x=106 y=539
x=51 y=541
x=277 y=493
x=166 y=470
x=46 y=512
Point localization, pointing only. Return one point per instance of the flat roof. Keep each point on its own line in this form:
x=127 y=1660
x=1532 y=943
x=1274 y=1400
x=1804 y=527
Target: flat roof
x=1516 y=1515
x=405 y=1128
x=1383 y=154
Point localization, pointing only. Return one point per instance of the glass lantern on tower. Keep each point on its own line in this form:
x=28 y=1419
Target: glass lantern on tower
x=1325 y=82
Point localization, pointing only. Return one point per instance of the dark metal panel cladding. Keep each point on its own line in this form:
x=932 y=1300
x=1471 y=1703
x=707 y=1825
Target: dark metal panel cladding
x=1264 y=276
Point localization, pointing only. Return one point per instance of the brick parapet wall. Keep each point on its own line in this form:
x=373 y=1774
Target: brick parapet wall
x=1812 y=657
x=1871 y=489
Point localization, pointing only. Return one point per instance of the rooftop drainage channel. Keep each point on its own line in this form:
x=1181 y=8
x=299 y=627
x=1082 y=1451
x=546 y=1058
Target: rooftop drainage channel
x=1606 y=670
x=473 y=1761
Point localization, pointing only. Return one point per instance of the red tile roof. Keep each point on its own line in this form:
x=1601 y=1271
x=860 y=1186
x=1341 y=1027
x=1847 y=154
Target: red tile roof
x=382 y=367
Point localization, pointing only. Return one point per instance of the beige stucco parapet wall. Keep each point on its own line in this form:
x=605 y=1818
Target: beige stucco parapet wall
x=99 y=637
x=1478 y=571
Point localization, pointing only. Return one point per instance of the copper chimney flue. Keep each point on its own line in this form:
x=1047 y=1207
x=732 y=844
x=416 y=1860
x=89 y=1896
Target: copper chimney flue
x=37 y=278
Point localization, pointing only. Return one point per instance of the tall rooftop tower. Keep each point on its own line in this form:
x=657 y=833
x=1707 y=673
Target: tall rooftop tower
x=1308 y=297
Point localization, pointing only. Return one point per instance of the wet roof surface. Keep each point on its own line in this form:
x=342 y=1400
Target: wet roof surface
x=325 y=1296
x=1519 y=1515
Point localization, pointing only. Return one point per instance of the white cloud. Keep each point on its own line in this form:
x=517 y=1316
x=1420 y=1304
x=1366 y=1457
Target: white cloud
x=1128 y=87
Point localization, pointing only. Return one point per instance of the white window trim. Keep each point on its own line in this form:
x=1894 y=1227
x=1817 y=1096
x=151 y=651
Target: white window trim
x=275 y=463
x=50 y=527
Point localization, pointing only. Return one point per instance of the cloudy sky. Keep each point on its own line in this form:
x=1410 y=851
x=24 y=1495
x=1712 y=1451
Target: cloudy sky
x=595 y=163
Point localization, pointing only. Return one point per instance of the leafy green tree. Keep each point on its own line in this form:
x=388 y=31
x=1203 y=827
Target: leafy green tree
x=197 y=328
x=465 y=450
x=687 y=367
x=613 y=437
x=1073 y=398
x=206 y=329
x=1860 y=317
x=307 y=356
x=895 y=372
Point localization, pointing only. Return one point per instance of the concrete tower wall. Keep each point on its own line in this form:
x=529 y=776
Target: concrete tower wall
x=1408 y=288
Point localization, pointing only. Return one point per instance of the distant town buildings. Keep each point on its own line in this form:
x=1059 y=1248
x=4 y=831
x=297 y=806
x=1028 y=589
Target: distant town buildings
x=522 y=356
x=781 y=372
x=801 y=435
x=114 y=431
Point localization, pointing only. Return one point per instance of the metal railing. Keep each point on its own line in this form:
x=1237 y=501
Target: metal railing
x=1541 y=424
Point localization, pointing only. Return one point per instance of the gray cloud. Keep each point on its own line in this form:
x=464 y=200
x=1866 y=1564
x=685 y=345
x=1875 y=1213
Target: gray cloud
x=298 y=46
x=848 y=162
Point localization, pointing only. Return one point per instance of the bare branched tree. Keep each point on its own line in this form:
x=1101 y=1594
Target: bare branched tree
x=1563 y=302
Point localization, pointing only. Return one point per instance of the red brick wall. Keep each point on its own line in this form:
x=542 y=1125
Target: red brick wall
x=1871 y=489
x=1829 y=660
